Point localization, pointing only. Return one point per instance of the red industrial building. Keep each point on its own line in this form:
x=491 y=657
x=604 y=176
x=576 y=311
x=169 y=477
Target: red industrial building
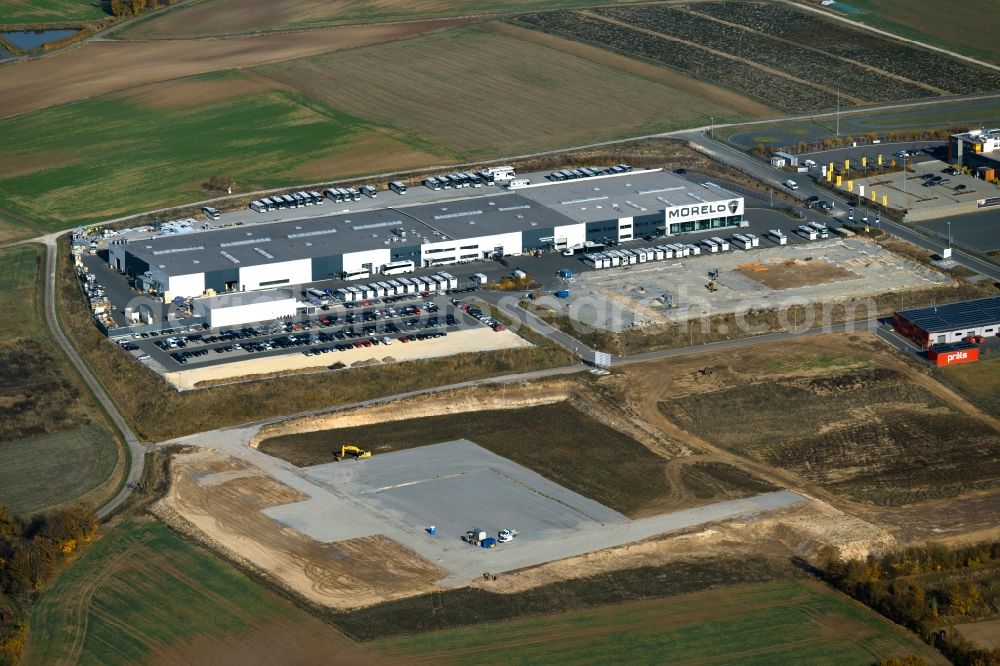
x=944 y=324
x=951 y=353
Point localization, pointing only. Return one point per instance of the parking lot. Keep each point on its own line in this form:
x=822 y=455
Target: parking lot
x=339 y=329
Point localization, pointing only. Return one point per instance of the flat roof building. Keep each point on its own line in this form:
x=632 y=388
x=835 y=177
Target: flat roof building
x=606 y=209
x=942 y=324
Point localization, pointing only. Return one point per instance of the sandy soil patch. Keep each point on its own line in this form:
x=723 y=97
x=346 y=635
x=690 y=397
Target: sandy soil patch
x=797 y=273
x=468 y=341
x=14 y=164
x=348 y=574
x=97 y=68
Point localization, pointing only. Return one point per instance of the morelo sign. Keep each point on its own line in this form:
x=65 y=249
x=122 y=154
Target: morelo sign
x=705 y=211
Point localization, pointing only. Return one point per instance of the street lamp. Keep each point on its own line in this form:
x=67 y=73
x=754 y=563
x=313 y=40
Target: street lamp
x=949 y=233
x=711 y=127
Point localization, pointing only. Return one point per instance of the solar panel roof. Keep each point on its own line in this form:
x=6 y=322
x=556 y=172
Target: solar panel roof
x=955 y=316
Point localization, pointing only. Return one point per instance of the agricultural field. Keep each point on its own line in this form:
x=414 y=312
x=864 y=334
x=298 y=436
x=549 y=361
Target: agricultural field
x=784 y=622
x=211 y=18
x=59 y=167
x=45 y=415
x=861 y=434
x=142 y=594
x=734 y=43
x=806 y=29
x=964 y=27
x=79 y=459
x=551 y=96
x=34 y=13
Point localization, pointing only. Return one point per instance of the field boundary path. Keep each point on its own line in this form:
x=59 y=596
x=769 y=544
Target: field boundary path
x=136 y=448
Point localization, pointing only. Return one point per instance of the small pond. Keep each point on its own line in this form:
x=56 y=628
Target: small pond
x=30 y=40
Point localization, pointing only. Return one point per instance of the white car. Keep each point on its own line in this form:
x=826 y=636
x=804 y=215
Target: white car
x=143 y=357
x=505 y=536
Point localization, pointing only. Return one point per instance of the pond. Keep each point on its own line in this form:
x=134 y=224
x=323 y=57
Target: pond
x=29 y=40
x=847 y=9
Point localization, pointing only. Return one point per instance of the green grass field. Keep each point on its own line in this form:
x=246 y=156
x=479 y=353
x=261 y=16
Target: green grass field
x=52 y=448
x=20 y=292
x=963 y=26
x=141 y=593
x=38 y=12
x=121 y=154
x=785 y=622
x=979 y=382
x=46 y=470
x=558 y=441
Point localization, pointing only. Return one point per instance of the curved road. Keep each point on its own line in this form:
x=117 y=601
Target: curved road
x=136 y=448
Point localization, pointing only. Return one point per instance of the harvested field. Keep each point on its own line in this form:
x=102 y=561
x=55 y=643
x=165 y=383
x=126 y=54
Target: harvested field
x=864 y=434
x=558 y=441
x=739 y=44
x=765 y=623
x=43 y=471
x=95 y=68
x=142 y=594
x=676 y=54
x=857 y=83
x=254 y=132
x=553 y=97
x=223 y=499
x=232 y=17
x=795 y=274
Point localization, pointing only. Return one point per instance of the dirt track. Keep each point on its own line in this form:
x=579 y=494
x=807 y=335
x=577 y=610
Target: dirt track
x=101 y=67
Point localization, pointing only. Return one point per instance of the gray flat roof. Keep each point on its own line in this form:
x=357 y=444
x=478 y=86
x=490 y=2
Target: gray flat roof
x=955 y=316
x=238 y=298
x=622 y=195
x=555 y=204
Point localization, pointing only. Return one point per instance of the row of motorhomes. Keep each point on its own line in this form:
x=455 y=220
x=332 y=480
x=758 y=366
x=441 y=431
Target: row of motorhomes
x=458 y=180
x=283 y=201
x=437 y=283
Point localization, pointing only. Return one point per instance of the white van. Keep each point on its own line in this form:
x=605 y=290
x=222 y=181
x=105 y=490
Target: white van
x=791 y=184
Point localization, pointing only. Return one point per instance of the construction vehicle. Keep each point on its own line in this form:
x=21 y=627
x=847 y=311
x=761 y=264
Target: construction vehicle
x=352 y=451
x=506 y=536
x=474 y=537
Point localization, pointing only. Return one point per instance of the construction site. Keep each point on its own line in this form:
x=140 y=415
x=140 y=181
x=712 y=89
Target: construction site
x=770 y=276
x=591 y=474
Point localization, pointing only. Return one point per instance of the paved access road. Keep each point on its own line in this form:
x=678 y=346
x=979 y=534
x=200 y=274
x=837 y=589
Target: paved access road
x=137 y=449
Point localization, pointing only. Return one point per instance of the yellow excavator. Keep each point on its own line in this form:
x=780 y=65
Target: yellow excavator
x=352 y=451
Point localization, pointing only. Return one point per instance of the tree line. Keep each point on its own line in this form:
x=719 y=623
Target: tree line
x=130 y=8
x=32 y=551
x=927 y=589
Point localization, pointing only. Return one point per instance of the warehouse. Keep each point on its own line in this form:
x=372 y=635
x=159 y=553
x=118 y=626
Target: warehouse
x=942 y=324
x=243 y=308
x=612 y=208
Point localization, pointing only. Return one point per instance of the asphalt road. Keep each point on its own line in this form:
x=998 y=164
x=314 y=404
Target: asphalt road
x=136 y=448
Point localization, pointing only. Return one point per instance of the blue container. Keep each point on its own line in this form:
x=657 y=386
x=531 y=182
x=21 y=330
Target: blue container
x=564 y=293
x=432 y=530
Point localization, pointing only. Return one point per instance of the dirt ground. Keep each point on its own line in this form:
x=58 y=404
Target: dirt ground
x=459 y=342
x=796 y=273
x=96 y=68
x=985 y=634
x=220 y=500
x=223 y=499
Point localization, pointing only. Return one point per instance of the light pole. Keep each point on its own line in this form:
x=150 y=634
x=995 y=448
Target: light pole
x=949 y=233
x=711 y=126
